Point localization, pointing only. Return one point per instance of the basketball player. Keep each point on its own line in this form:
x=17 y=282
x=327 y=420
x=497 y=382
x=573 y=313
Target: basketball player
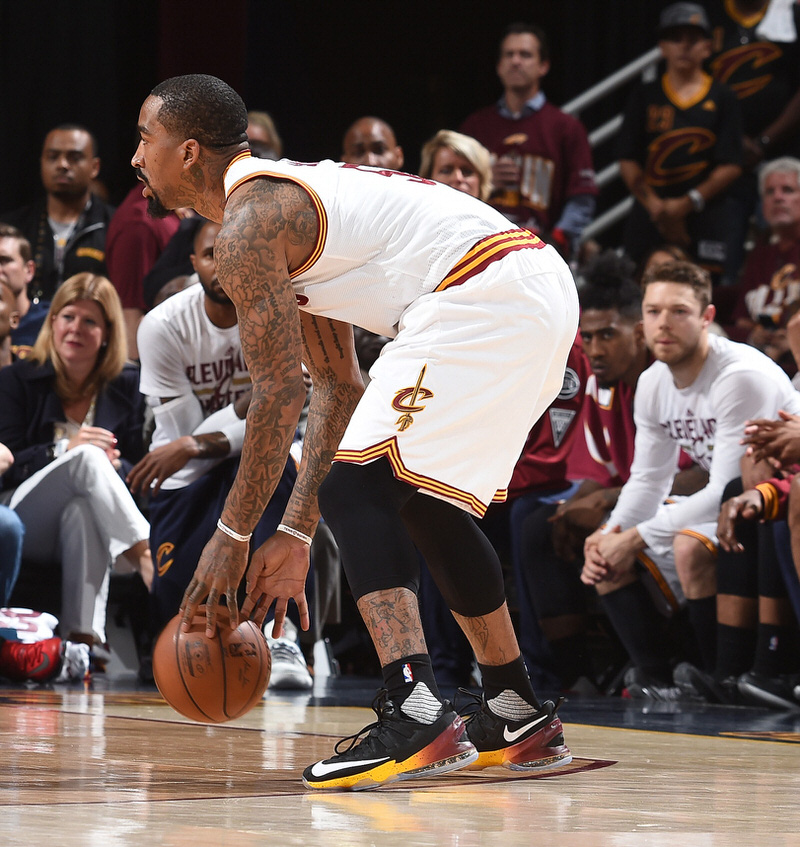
x=482 y=319
x=697 y=396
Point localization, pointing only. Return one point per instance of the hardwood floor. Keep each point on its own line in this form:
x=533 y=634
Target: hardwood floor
x=112 y=765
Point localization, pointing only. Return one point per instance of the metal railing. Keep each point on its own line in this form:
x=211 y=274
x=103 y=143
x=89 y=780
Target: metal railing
x=638 y=67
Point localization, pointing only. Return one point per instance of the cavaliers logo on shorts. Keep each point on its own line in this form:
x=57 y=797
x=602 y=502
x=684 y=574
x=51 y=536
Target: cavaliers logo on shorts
x=407 y=401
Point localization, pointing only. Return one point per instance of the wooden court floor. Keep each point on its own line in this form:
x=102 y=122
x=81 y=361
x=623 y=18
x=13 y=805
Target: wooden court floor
x=109 y=766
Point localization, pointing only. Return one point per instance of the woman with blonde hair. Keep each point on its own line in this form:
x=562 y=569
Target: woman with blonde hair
x=72 y=415
x=458 y=161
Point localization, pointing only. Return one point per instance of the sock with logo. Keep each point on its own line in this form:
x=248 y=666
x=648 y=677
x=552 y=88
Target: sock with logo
x=412 y=686
x=508 y=690
x=775 y=647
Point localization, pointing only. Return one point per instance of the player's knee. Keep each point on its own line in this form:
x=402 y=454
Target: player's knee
x=695 y=564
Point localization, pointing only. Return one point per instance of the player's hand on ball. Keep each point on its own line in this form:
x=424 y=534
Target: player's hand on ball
x=218 y=573
x=276 y=575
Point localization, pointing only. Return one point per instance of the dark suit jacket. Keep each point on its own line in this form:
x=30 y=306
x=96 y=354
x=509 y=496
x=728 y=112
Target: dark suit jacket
x=29 y=406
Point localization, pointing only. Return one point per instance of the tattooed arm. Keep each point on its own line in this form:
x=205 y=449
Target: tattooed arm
x=331 y=360
x=266 y=222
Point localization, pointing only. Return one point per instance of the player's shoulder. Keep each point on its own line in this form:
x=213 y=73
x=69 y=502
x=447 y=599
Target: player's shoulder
x=737 y=360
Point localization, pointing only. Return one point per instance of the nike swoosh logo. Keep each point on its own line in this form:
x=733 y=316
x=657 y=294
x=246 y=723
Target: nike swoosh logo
x=321 y=769
x=513 y=736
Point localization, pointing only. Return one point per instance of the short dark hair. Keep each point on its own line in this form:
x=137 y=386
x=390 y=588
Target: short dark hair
x=8 y=231
x=68 y=127
x=683 y=273
x=609 y=282
x=202 y=107
x=522 y=28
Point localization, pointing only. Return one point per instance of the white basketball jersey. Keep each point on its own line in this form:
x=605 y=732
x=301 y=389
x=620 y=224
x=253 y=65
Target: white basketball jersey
x=385 y=237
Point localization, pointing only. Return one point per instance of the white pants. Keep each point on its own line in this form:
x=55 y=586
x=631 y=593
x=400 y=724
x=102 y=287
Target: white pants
x=78 y=510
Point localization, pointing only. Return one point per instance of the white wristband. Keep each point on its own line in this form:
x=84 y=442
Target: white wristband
x=295 y=532
x=235 y=535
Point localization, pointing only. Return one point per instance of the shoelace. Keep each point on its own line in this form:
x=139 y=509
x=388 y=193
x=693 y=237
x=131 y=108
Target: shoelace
x=379 y=707
x=282 y=650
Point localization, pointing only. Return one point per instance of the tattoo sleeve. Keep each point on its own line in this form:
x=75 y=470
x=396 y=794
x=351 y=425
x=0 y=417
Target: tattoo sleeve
x=337 y=387
x=252 y=267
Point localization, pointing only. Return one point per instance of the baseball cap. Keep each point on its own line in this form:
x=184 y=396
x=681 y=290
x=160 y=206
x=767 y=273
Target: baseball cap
x=684 y=14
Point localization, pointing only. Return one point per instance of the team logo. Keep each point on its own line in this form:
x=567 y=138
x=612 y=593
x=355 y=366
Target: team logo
x=756 y=56
x=407 y=401
x=164 y=557
x=560 y=420
x=571 y=385
x=678 y=146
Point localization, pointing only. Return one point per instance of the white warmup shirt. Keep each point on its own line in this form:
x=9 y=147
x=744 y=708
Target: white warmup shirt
x=200 y=367
x=737 y=383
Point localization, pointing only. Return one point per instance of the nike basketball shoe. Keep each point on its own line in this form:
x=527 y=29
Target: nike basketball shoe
x=395 y=747
x=535 y=743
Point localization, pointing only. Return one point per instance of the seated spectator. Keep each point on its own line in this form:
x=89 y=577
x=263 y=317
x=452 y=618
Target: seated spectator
x=196 y=382
x=67 y=229
x=72 y=416
x=769 y=291
x=696 y=396
x=9 y=318
x=371 y=141
x=458 y=161
x=12 y=532
x=265 y=143
x=16 y=271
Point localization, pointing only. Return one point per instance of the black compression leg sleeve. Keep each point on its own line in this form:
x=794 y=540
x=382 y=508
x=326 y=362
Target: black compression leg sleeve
x=460 y=558
x=361 y=504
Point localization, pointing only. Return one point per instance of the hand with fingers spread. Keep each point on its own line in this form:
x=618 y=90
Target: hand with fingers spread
x=218 y=574
x=747 y=506
x=276 y=575
x=774 y=441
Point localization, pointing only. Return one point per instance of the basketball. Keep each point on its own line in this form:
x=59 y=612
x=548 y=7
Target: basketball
x=211 y=680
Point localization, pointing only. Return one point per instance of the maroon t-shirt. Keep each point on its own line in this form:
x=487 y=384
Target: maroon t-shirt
x=133 y=243
x=554 y=155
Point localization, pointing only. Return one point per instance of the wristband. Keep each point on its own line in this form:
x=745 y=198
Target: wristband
x=295 y=532
x=231 y=534
x=697 y=200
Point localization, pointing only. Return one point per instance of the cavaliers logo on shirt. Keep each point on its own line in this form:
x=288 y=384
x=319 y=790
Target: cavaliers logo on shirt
x=407 y=401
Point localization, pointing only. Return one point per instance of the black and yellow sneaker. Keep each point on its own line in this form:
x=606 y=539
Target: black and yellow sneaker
x=395 y=747
x=535 y=743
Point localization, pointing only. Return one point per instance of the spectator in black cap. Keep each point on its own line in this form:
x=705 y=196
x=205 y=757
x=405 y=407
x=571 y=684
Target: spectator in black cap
x=680 y=147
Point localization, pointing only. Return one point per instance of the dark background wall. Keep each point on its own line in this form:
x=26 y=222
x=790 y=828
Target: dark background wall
x=315 y=66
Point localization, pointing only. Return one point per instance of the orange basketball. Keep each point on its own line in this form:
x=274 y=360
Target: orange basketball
x=211 y=679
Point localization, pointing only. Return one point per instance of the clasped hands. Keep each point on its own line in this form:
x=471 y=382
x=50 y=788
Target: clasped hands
x=608 y=556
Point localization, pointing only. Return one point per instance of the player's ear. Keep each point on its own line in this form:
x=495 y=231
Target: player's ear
x=191 y=152
x=709 y=314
